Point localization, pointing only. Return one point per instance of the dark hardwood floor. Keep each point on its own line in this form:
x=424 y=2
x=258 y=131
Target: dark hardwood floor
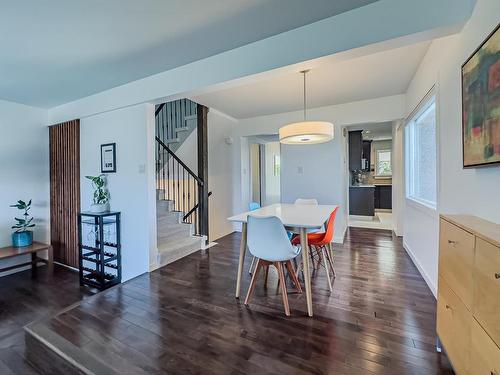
x=24 y=299
x=183 y=318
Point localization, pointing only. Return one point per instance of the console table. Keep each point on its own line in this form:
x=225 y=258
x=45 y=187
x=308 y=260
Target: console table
x=11 y=252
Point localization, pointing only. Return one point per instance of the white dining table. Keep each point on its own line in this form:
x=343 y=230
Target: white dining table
x=297 y=218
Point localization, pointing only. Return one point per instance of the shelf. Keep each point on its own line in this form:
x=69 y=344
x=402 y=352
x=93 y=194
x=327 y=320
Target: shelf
x=94 y=275
x=105 y=221
x=96 y=256
x=94 y=260
x=97 y=249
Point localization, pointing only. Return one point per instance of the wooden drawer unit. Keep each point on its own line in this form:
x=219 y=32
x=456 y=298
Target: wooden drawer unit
x=487 y=288
x=468 y=312
x=453 y=322
x=456 y=260
x=484 y=354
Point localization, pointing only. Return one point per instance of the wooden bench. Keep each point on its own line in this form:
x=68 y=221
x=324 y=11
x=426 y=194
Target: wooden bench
x=11 y=252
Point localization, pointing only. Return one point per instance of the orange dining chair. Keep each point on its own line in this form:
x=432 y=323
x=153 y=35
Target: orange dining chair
x=320 y=242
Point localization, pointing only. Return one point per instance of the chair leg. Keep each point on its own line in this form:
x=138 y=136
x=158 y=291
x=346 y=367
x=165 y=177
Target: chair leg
x=253 y=282
x=330 y=259
x=325 y=261
x=266 y=273
x=293 y=276
x=250 y=269
x=279 y=266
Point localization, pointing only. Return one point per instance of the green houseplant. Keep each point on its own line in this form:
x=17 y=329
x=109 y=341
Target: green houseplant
x=101 y=194
x=22 y=236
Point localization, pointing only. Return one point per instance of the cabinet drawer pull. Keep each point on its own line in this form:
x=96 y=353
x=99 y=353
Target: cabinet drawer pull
x=451 y=242
x=497 y=276
x=447 y=306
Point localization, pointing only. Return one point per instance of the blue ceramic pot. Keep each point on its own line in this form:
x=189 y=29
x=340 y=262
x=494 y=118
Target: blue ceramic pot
x=21 y=239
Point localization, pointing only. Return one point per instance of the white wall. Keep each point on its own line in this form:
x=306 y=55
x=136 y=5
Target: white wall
x=397 y=178
x=24 y=171
x=132 y=187
x=272 y=191
x=220 y=173
x=471 y=191
x=323 y=166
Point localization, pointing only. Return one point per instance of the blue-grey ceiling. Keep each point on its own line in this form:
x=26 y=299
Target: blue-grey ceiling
x=53 y=52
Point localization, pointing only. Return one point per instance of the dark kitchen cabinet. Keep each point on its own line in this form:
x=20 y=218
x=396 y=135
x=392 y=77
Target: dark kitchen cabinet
x=362 y=200
x=366 y=154
x=355 y=150
x=383 y=197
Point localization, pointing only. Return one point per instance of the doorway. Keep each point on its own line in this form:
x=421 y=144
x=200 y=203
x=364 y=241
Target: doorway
x=370 y=165
x=265 y=169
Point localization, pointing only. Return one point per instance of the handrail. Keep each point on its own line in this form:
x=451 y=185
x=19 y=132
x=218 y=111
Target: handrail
x=200 y=181
x=195 y=207
x=158 y=110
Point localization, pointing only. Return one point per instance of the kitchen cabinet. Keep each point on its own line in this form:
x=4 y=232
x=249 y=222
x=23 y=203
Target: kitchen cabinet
x=366 y=154
x=362 y=200
x=383 y=197
x=355 y=150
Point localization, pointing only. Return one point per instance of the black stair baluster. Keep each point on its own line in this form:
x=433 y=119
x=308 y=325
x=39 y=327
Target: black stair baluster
x=178 y=188
x=189 y=197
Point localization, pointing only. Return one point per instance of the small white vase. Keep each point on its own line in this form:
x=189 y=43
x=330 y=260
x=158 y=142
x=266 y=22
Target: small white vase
x=99 y=208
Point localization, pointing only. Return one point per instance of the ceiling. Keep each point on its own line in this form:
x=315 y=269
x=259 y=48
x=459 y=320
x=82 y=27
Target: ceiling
x=57 y=51
x=330 y=81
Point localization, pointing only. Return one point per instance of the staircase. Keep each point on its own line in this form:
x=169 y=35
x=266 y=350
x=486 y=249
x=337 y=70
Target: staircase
x=176 y=239
x=179 y=214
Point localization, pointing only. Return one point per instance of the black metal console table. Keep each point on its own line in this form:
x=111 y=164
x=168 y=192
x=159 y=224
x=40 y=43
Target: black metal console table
x=100 y=249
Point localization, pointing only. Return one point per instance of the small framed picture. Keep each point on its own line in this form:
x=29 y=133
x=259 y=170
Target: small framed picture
x=108 y=158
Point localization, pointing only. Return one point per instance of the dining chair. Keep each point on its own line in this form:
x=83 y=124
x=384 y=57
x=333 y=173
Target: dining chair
x=307 y=201
x=321 y=242
x=252 y=206
x=268 y=242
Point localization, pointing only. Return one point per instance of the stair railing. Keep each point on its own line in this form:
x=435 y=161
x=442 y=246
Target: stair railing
x=180 y=185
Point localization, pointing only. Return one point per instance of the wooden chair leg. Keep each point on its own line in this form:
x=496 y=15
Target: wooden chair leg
x=293 y=276
x=266 y=273
x=279 y=266
x=330 y=259
x=253 y=282
x=250 y=269
x=325 y=261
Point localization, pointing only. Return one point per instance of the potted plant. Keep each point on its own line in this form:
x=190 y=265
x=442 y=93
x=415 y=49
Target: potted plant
x=22 y=236
x=101 y=194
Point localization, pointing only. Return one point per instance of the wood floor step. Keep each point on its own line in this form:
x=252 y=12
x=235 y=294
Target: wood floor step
x=51 y=353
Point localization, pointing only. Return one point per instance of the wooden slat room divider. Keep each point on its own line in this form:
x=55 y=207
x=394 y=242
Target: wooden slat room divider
x=64 y=140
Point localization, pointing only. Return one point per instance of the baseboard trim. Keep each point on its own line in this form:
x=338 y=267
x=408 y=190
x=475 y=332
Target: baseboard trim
x=340 y=239
x=417 y=264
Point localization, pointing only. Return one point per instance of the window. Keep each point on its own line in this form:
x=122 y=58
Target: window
x=420 y=155
x=383 y=164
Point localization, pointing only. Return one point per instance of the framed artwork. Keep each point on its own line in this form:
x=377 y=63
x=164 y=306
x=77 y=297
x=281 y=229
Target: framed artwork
x=108 y=158
x=481 y=104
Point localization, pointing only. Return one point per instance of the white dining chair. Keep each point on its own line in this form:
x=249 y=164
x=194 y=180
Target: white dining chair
x=268 y=241
x=307 y=201
x=252 y=206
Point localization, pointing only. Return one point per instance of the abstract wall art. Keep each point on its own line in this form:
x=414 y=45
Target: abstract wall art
x=481 y=104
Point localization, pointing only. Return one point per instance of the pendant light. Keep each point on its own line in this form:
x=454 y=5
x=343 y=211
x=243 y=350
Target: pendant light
x=306 y=132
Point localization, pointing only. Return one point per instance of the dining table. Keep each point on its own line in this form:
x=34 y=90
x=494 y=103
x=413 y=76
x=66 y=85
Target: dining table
x=298 y=218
